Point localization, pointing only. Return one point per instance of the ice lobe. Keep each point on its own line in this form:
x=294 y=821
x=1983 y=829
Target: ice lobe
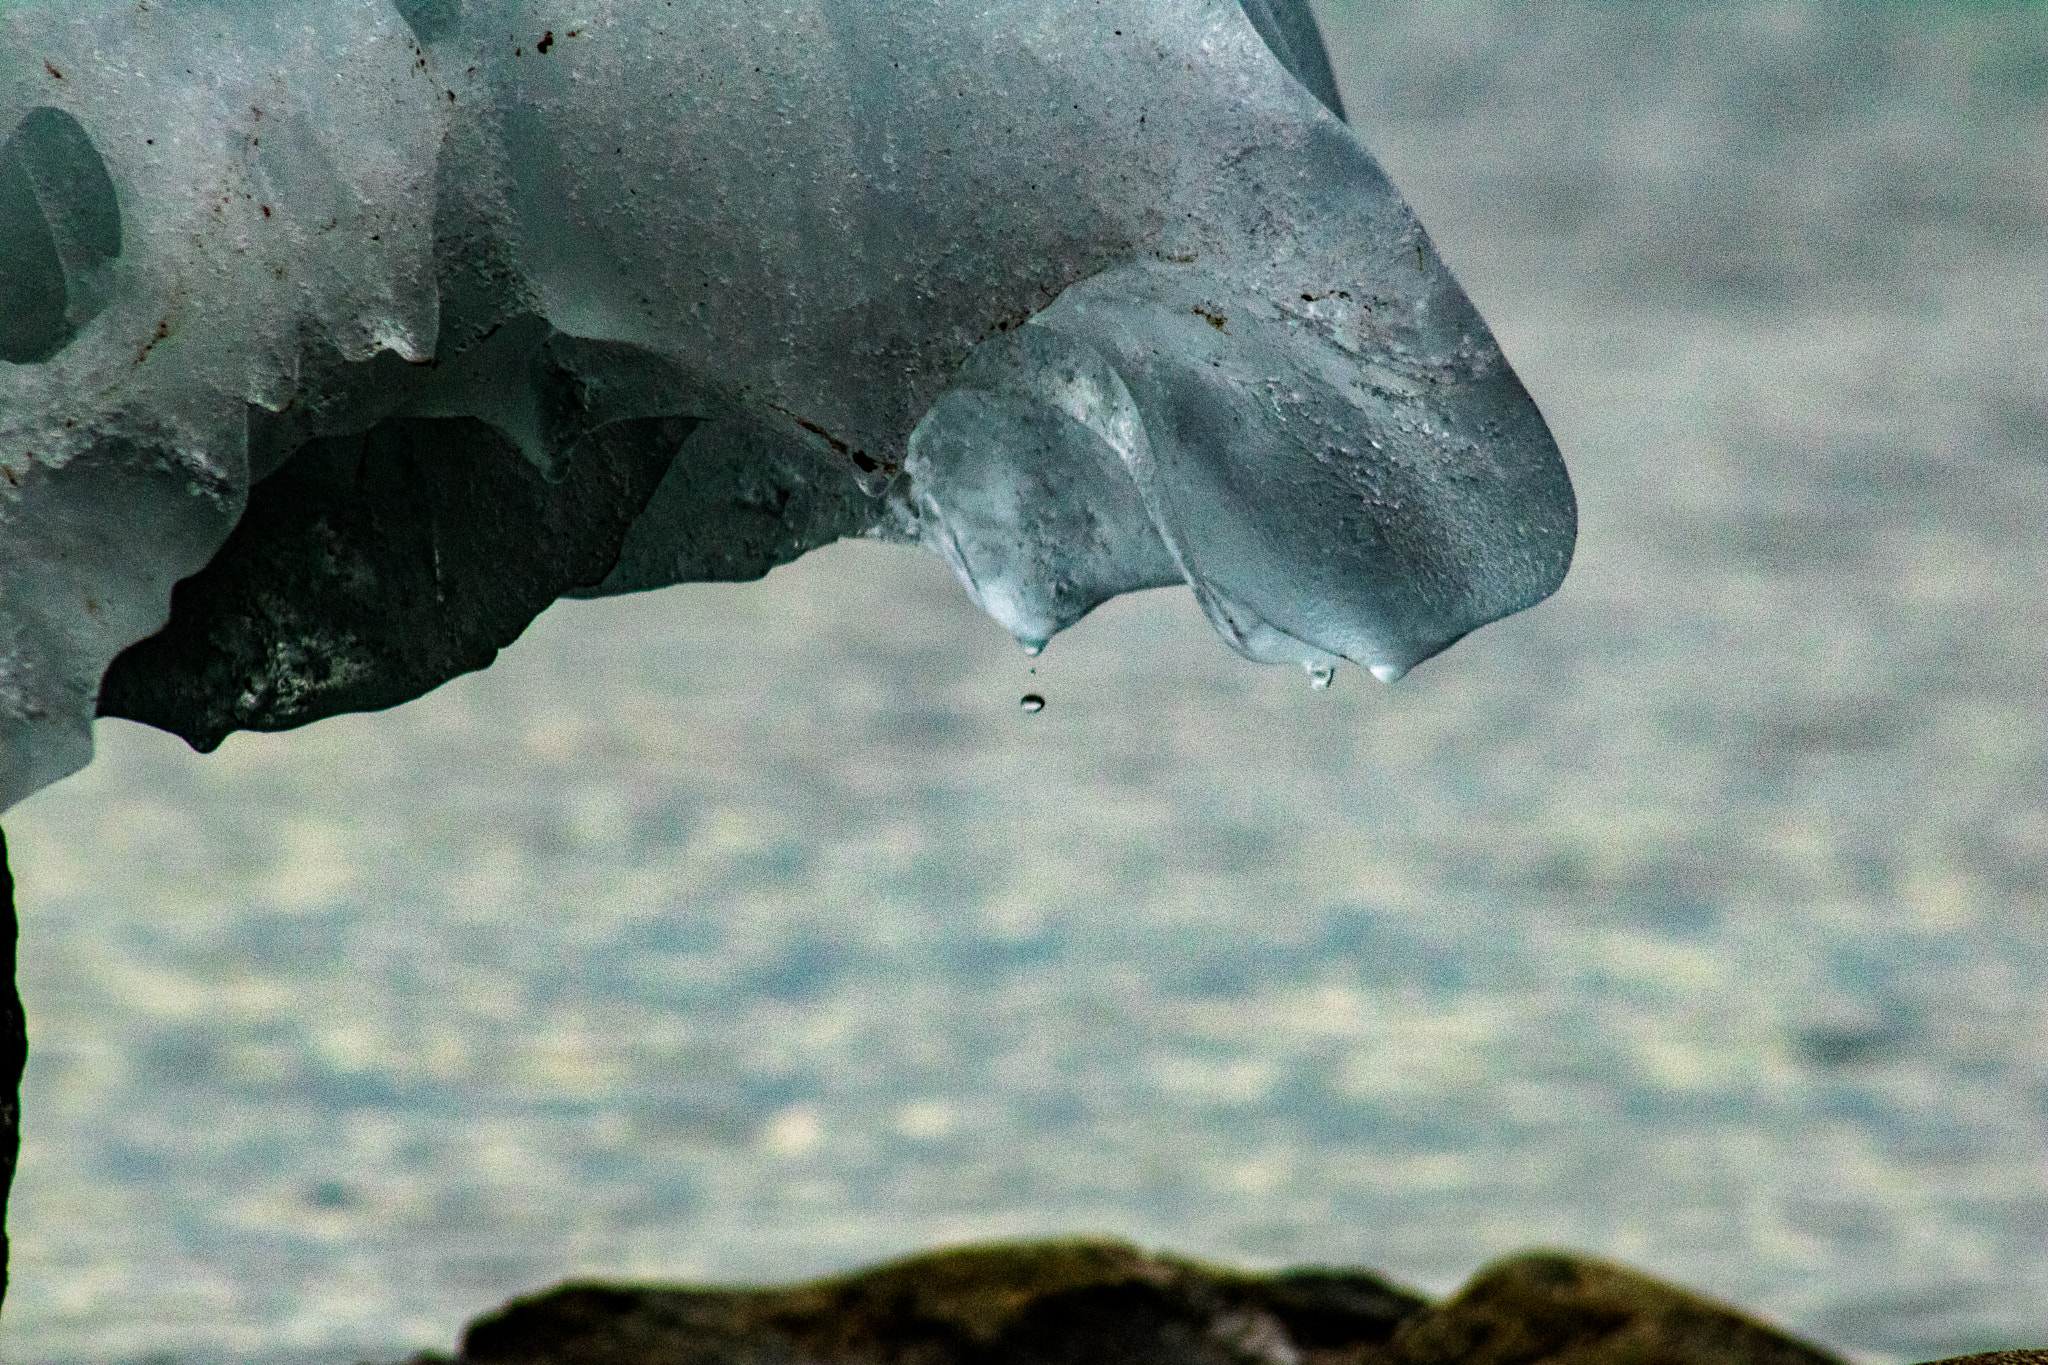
x=1326 y=444
x=1026 y=472
x=1155 y=424
x=338 y=338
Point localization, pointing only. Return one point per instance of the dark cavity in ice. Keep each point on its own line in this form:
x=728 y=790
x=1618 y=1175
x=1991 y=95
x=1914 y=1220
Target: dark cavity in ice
x=59 y=225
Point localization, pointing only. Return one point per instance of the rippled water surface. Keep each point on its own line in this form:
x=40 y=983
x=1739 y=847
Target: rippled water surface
x=747 y=932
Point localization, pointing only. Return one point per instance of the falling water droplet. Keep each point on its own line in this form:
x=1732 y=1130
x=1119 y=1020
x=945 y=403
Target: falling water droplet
x=1320 y=676
x=1031 y=702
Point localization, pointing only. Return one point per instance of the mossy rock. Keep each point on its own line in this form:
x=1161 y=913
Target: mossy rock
x=1563 y=1309
x=1065 y=1303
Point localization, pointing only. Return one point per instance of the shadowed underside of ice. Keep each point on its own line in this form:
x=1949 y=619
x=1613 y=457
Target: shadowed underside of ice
x=383 y=326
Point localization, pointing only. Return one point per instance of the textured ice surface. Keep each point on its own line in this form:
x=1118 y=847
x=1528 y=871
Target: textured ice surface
x=195 y=200
x=474 y=305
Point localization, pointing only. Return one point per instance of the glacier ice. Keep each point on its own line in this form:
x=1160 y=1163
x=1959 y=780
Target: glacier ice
x=339 y=338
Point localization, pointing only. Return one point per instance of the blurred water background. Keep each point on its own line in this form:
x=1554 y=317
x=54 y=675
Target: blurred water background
x=751 y=932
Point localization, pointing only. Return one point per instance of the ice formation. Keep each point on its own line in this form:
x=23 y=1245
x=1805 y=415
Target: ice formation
x=382 y=325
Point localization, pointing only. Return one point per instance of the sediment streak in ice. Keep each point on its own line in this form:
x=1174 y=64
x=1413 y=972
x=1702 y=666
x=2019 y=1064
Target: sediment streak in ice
x=382 y=326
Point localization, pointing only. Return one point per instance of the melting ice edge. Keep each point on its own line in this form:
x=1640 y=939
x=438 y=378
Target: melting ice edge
x=341 y=338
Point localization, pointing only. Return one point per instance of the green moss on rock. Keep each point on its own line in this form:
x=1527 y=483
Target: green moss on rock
x=1068 y=1302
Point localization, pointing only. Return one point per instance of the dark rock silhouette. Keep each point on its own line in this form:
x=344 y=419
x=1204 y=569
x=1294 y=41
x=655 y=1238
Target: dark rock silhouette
x=13 y=1052
x=1063 y=1303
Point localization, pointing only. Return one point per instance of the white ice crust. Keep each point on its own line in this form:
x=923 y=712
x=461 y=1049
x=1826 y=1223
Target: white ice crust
x=1094 y=295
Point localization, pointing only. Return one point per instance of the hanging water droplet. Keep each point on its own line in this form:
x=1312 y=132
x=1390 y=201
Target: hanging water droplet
x=1320 y=676
x=1387 y=673
x=1031 y=702
x=1032 y=647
